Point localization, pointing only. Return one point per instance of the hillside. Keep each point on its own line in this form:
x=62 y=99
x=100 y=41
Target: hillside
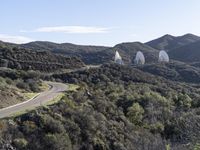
x=96 y=54
x=175 y=71
x=169 y=42
x=182 y=48
x=129 y=50
x=187 y=53
x=7 y=45
x=115 y=107
x=20 y=58
x=87 y=53
x=17 y=86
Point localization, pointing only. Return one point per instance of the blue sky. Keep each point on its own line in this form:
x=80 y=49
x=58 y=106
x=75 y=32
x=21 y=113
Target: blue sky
x=96 y=22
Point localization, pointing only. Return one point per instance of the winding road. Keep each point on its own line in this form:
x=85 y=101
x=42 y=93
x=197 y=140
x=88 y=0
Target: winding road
x=40 y=99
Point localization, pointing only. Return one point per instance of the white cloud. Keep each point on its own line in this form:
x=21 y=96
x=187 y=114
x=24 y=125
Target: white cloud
x=15 y=39
x=72 y=29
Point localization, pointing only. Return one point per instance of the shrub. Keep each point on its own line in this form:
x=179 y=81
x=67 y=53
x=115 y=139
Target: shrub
x=57 y=142
x=135 y=113
x=9 y=81
x=183 y=101
x=157 y=127
x=197 y=146
x=20 y=143
x=51 y=125
x=28 y=127
x=22 y=85
x=34 y=87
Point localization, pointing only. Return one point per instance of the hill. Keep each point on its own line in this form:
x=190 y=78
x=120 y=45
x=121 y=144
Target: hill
x=176 y=46
x=182 y=48
x=17 y=86
x=175 y=71
x=169 y=42
x=187 y=53
x=113 y=107
x=129 y=50
x=86 y=53
x=20 y=58
x=7 y=45
x=96 y=54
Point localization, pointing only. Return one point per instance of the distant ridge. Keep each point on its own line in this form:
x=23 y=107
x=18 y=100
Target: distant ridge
x=182 y=48
x=95 y=54
x=169 y=42
x=187 y=53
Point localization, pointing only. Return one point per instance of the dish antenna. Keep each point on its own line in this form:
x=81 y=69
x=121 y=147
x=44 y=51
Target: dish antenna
x=139 y=58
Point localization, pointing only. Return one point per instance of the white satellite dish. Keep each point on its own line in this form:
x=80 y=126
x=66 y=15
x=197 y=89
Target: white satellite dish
x=163 y=56
x=118 y=58
x=139 y=58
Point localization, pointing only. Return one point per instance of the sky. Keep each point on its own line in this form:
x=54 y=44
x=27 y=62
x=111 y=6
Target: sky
x=96 y=22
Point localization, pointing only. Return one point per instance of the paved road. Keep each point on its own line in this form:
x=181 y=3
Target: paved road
x=42 y=98
x=78 y=69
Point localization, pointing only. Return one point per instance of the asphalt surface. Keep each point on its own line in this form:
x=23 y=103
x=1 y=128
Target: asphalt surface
x=42 y=98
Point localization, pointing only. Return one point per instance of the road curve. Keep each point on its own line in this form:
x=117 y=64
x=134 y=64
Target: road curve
x=40 y=99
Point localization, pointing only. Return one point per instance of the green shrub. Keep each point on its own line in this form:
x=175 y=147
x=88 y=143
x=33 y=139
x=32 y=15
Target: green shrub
x=135 y=113
x=183 y=101
x=34 y=87
x=51 y=125
x=197 y=146
x=20 y=143
x=28 y=127
x=9 y=81
x=22 y=85
x=57 y=142
x=155 y=98
x=157 y=127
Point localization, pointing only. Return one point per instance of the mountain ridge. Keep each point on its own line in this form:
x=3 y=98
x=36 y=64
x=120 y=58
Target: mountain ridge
x=90 y=54
x=187 y=53
x=169 y=42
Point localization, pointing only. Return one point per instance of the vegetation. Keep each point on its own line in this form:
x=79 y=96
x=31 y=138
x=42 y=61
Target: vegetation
x=45 y=60
x=187 y=53
x=169 y=42
x=175 y=71
x=17 y=86
x=113 y=107
x=95 y=54
x=182 y=48
x=135 y=113
x=25 y=59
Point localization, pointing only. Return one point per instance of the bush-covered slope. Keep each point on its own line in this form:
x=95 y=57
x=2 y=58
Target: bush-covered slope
x=89 y=54
x=97 y=54
x=18 y=58
x=187 y=53
x=17 y=86
x=114 y=108
x=175 y=71
x=182 y=48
